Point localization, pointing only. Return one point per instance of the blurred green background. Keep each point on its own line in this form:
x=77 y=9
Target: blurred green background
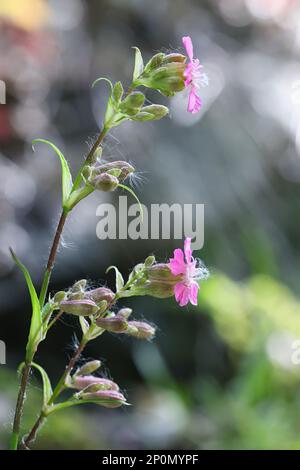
x=224 y=375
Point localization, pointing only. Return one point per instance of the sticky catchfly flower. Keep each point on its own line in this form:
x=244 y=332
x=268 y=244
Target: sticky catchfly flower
x=186 y=290
x=194 y=77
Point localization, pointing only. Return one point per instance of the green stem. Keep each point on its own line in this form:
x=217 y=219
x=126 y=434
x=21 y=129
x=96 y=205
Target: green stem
x=19 y=406
x=43 y=293
x=56 y=392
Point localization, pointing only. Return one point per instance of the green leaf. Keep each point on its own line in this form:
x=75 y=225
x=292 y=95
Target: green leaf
x=66 y=177
x=47 y=389
x=138 y=64
x=117 y=92
x=119 y=277
x=102 y=79
x=35 y=333
x=135 y=197
x=84 y=324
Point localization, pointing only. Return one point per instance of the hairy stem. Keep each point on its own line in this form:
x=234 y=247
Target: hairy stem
x=19 y=406
x=57 y=391
x=43 y=293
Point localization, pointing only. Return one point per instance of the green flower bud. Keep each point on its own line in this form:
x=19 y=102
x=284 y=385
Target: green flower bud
x=59 y=297
x=79 y=307
x=132 y=104
x=114 y=324
x=140 y=330
x=151 y=113
x=105 y=182
x=149 y=261
x=89 y=368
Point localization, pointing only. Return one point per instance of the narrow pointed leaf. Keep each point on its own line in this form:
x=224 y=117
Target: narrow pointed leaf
x=47 y=389
x=35 y=333
x=119 y=277
x=66 y=177
x=138 y=64
x=123 y=186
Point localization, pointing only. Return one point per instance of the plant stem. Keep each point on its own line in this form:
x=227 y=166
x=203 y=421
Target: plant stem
x=19 y=406
x=43 y=293
x=57 y=391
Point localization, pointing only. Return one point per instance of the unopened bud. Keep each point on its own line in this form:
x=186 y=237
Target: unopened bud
x=151 y=113
x=140 y=330
x=114 y=324
x=125 y=313
x=76 y=295
x=89 y=368
x=59 y=296
x=132 y=104
x=149 y=261
x=105 y=182
x=79 y=285
x=100 y=294
x=125 y=167
x=82 y=382
x=79 y=307
x=106 y=398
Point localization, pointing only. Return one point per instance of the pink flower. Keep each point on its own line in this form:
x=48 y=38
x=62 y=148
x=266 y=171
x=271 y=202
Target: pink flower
x=194 y=77
x=186 y=290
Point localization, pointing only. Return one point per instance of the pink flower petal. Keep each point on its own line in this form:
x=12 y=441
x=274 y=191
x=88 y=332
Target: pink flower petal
x=177 y=264
x=188 y=74
x=187 y=250
x=181 y=292
x=187 y=42
x=193 y=293
x=194 y=103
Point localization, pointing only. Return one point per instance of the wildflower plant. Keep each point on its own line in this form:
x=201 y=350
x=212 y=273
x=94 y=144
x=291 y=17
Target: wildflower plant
x=98 y=309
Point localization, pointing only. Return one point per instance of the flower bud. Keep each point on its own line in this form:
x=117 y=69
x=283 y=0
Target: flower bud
x=151 y=113
x=126 y=169
x=106 y=398
x=125 y=313
x=76 y=295
x=105 y=182
x=100 y=294
x=149 y=261
x=89 y=368
x=140 y=330
x=79 y=285
x=82 y=382
x=59 y=297
x=114 y=324
x=79 y=307
x=132 y=104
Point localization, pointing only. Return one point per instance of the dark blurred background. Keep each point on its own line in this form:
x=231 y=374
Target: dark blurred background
x=217 y=376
